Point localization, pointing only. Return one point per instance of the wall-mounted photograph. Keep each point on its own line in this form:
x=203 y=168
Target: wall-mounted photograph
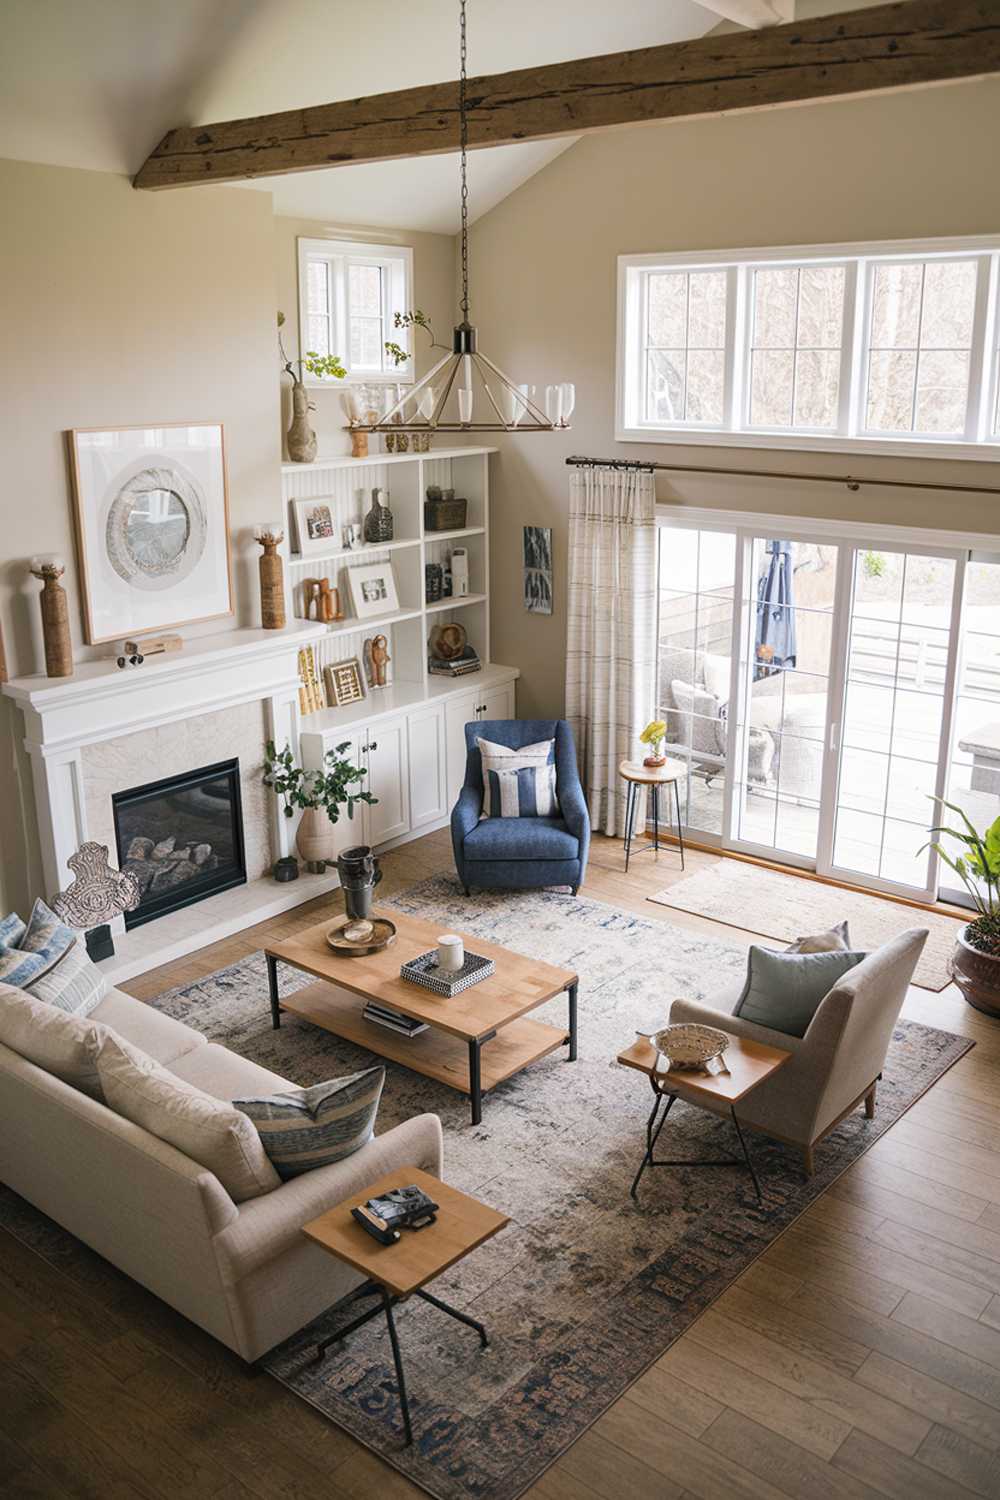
x=538 y=569
x=152 y=524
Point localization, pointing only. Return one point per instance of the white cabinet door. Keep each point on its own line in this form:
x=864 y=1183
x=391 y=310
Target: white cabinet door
x=385 y=749
x=458 y=712
x=426 y=745
x=498 y=702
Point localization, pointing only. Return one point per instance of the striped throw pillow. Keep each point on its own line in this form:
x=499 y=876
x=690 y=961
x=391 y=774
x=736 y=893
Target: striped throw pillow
x=519 y=783
x=74 y=985
x=27 y=952
x=313 y=1127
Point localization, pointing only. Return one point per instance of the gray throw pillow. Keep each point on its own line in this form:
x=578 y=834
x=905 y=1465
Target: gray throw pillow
x=836 y=940
x=784 y=990
x=308 y=1128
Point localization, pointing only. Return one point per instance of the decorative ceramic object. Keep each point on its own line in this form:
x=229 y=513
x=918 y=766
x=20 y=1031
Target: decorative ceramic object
x=378 y=523
x=689 y=1046
x=315 y=839
x=55 y=616
x=447 y=642
x=152 y=516
x=451 y=952
x=977 y=975
x=382 y=934
x=97 y=894
x=272 y=588
x=301 y=436
x=378 y=650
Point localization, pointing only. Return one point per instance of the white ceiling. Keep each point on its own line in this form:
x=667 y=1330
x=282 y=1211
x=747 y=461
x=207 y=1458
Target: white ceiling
x=97 y=83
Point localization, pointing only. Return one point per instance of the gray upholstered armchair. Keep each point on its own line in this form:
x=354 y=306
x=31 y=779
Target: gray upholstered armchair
x=521 y=853
x=837 y=1064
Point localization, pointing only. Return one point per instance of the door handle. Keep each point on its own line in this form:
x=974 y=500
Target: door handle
x=372 y=746
x=834 y=737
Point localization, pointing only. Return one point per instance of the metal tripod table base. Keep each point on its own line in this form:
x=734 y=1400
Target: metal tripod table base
x=653 y=1128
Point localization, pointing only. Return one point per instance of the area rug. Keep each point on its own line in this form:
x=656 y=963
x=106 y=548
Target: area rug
x=585 y=1288
x=783 y=907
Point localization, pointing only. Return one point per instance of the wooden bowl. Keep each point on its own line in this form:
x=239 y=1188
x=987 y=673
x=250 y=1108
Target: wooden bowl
x=689 y=1046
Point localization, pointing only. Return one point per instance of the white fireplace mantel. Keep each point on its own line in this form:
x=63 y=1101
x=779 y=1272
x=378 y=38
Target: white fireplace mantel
x=102 y=702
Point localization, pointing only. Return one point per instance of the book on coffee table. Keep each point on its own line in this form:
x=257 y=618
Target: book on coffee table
x=426 y=970
x=382 y=1015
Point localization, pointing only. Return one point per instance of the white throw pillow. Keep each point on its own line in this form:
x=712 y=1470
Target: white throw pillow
x=837 y=940
x=699 y=710
x=519 y=783
x=210 y=1131
x=715 y=671
x=62 y=1044
x=74 y=984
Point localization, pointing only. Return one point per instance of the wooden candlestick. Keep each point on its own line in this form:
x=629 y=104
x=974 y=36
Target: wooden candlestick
x=359 y=444
x=272 y=585
x=55 y=617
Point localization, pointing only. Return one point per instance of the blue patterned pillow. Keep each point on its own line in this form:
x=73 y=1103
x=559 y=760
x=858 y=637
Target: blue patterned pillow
x=313 y=1127
x=519 y=783
x=39 y=946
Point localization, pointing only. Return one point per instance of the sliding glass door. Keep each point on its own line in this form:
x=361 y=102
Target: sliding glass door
x=809 y=685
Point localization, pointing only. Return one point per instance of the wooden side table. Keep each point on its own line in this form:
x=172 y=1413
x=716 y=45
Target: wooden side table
x=395 y=1272
x=637 y=776
x=748 y=1064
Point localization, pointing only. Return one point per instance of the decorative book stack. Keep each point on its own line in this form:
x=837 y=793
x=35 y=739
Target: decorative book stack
x=311 y=695
x=427 y=971
x=383 y=1015
x=457 y=666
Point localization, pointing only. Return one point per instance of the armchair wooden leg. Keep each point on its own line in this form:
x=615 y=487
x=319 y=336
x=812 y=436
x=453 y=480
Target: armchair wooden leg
x=870 y=1102
x=807 y=1160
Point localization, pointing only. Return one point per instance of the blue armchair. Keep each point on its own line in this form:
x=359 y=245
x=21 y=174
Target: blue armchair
x=521 y=853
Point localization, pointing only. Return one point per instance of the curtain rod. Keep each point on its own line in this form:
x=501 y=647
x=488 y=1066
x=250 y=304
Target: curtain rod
x=852 y=482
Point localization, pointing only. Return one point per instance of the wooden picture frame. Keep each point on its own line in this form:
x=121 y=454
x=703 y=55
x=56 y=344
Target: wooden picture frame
x=317 y=530
x=151 y=515
x=373 y=590
x=345 y=682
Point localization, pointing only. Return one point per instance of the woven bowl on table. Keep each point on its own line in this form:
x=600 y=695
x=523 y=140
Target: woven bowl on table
x=689 y=1046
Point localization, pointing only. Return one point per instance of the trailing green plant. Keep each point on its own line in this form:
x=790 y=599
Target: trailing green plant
x=333 y=786
x=316 y=364
x=873 y=564
x=415 y=319
x=979 y=871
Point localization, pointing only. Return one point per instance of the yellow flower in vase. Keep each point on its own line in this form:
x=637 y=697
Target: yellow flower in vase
x=653 y=735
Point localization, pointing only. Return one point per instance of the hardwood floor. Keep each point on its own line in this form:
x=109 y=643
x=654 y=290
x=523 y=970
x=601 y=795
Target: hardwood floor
x=859 y=1357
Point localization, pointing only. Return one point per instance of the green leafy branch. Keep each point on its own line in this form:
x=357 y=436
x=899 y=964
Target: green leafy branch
x=333 y=786
x=415 y=319
x=324 y=365
x=977 y=868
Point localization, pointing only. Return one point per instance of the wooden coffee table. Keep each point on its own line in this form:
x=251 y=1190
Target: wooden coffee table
x=748 y=1064
x=394 y=1272
x=454 y=1050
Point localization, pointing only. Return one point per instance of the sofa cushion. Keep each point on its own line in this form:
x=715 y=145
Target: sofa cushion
x=225 y=1074
x=62 y=1044
x=212 y=1133
x=521 y=838
x=699 y=717
x=73 y=984
x=29 y=951
x=836 y=940
x=784 y=990
x=306 y=1128
x=160 y=1037
x=519 y=783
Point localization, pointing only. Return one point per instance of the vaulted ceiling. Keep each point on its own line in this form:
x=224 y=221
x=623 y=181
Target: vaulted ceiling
x=97 y=83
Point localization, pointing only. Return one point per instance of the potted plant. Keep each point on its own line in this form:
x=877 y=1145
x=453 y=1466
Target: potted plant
x=301 y=437
x=975 y=960
x=320 y=794
x=653 y=735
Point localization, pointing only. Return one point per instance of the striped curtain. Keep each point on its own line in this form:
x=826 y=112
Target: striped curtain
x=611 y=629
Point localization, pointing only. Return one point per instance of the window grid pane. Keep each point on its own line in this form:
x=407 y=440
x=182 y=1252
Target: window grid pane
x=685 y=347
x=921 y=328
x=795 y=347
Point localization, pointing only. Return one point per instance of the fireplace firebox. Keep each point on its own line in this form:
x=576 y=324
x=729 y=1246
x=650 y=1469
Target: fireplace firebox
x=182 y=838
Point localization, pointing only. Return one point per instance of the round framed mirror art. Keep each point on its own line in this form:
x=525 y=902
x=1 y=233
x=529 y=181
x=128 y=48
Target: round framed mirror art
x=156 y=528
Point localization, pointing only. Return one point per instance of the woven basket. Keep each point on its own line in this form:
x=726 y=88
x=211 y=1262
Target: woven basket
x=445 y=515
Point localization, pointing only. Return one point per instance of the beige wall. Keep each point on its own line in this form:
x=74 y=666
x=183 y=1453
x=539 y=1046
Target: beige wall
x=433 y=293
x=543 y=281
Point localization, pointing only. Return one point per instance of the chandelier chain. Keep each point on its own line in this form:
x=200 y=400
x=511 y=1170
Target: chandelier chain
x=463 y=129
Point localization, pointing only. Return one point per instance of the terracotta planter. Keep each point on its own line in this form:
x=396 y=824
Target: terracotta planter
x=315 y=839
x=655 y=761
x=977 y=975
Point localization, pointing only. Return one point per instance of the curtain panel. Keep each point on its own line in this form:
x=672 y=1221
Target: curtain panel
x=611 y=629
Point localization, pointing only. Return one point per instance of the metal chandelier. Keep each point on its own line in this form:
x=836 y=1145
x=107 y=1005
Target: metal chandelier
x=510 y=405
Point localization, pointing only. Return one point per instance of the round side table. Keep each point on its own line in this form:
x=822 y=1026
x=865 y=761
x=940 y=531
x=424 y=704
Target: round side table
x=636 y=776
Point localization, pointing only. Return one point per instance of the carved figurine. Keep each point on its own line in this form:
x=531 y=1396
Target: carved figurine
x=377 y=658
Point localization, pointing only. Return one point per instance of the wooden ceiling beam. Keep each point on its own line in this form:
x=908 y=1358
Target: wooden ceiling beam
x=901 y=45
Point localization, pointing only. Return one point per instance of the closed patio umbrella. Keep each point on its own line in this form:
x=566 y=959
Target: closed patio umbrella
x=775 y=638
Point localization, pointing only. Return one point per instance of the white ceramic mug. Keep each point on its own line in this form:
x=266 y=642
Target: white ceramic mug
x=451 y=953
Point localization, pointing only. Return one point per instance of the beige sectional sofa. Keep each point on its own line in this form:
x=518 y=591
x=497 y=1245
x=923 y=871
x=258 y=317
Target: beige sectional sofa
x=245 y=1273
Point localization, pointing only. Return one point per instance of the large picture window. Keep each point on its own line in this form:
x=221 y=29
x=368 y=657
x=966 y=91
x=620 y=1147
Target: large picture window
x=886 y=347
x=349 y=294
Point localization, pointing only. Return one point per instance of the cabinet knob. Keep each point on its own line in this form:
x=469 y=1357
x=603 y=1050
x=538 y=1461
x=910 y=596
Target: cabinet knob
x=372 y=746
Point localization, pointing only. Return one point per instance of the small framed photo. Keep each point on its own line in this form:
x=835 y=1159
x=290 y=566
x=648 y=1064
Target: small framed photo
x=316 y=528
x=373 y=590
x=345 y=682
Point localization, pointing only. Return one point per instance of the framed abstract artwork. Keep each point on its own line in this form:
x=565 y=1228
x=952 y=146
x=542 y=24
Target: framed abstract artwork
x=345 y=682
x=538 y=570
x=152 y=527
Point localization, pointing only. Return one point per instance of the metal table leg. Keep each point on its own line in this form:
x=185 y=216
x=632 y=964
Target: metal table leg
x=571 y=992
x=677 y=804
x=652 y=1136
x=387 y=1302
x=476 y=1080
x=272 y=987
x=656 y=817
x=459 y=1317
x=630 y=800
x=746 y=1153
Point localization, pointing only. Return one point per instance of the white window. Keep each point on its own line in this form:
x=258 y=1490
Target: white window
x=349 y=295
x=884 y=348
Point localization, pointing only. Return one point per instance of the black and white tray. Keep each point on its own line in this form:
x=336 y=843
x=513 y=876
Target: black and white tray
x=427 y=971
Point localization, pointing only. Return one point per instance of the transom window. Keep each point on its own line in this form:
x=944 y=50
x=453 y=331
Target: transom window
x=349 y=293
x=879 y=347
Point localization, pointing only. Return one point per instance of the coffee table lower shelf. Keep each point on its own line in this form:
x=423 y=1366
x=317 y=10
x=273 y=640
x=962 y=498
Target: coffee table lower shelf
x=470 y=1067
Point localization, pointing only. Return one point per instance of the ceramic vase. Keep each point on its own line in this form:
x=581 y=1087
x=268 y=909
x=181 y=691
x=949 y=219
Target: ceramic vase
x=301 y=437
x=378 y=524
x=315 y=839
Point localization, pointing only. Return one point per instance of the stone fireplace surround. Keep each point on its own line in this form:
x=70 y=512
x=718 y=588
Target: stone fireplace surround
x=105 y=729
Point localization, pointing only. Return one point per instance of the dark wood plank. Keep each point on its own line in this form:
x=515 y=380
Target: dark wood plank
x=614 y=1473
x=932 y=1399
x=966 y=1463
x=891 y=1474
x=891 y=46
x=796 y=1473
